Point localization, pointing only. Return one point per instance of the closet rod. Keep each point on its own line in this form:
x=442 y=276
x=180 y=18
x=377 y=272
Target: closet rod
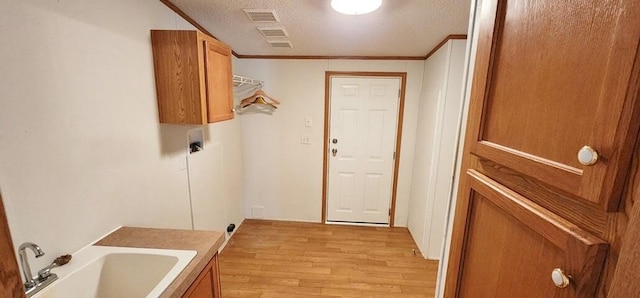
x=240 y=80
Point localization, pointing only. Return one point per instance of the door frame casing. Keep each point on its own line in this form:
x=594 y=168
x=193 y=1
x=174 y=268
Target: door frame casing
x=327 y=114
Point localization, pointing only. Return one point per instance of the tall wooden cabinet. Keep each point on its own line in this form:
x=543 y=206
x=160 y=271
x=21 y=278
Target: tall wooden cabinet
x=193 y=77
x=553 y=122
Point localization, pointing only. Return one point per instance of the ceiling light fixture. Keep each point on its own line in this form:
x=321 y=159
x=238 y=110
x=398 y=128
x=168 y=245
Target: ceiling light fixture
x=355 y=7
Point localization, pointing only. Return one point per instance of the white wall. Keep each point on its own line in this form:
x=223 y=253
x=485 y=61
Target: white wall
x=445 y=151
x=435 y=146
x=215 y=178
x=284 y=176
x=81 y=148
x=434 y=78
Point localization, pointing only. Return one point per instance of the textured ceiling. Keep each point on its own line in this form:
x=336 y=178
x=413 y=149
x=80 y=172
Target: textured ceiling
x=398 y=28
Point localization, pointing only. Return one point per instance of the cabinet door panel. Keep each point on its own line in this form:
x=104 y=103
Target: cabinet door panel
x=552 y=77
x=204 y=288
x=512 y=245
x=219 y=82
x=207 y=284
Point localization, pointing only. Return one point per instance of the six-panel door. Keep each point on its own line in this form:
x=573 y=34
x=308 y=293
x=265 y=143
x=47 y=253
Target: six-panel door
x=362 y=140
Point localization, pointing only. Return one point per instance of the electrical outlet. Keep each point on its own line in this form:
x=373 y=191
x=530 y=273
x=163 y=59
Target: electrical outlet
x=305 y=139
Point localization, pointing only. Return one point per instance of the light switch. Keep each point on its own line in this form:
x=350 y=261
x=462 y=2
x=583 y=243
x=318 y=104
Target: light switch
x=305 y=139
x=308 y=121
x=182 y=163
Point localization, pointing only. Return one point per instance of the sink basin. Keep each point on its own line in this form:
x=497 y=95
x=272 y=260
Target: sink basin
x=107 y=271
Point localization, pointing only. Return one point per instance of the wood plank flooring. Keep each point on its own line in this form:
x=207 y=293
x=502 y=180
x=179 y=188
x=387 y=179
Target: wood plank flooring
x=293 y=259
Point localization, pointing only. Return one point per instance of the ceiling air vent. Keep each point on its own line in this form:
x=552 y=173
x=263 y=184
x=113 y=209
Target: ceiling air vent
x=273 y=32
x=280 y=43
x=262 y=15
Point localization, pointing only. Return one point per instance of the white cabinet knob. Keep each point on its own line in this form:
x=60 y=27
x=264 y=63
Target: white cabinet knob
x=587 y=156
x=560 y=279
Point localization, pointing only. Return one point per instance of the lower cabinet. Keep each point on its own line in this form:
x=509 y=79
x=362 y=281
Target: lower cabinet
x=207 y=284
x=515 y=248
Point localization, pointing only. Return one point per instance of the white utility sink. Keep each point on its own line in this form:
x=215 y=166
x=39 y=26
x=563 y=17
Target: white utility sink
x=106 y=272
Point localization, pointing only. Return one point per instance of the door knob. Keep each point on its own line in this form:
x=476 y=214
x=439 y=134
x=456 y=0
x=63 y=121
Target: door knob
x=334 y=151
x=335 y=141
x=560 y=279
x=587 y=156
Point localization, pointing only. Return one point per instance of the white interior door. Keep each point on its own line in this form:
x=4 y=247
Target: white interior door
x=362 y=139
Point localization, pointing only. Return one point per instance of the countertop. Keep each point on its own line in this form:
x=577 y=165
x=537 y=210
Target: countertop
x=206 y=243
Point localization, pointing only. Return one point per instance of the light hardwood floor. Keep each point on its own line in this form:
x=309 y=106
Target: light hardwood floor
x=293 y=259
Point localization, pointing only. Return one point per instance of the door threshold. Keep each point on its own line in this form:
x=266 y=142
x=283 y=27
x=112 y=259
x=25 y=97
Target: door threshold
x=362 y=224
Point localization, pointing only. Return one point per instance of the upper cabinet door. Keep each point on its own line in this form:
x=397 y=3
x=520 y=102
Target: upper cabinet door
x=552 y=77
x=219 y=82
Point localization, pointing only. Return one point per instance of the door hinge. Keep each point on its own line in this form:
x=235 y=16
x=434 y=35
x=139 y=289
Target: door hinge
x=389 y=212
x=394 y=155
x=399 y=92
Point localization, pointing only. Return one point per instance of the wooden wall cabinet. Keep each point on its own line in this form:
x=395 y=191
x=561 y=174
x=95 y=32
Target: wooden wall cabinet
x=193 y=77
x=207 y=284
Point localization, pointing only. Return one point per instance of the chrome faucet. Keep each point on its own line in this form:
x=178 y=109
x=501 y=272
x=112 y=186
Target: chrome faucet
x=33 y=285
x=29 y=281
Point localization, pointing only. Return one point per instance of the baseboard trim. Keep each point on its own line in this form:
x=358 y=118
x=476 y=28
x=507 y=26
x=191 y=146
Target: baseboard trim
x=289 y=220
x=229 y=235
